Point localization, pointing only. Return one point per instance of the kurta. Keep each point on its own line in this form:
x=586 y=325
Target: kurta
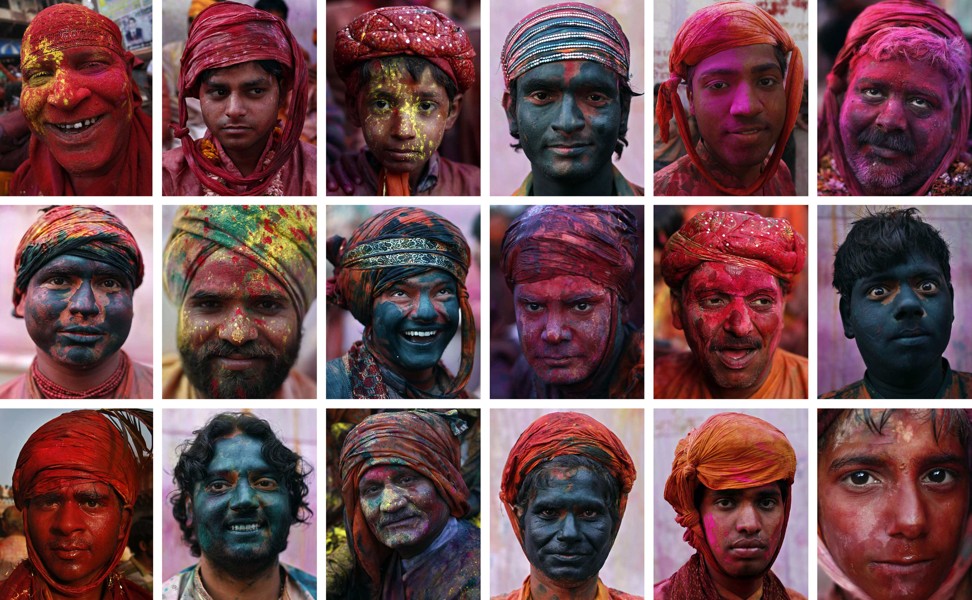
x=680 y=375
x=693 y=576
x=136 y=384
x=25 y=584
x=175 y=384
x=683 y=178
x=603 y=593
x=186 y=585
x=442 y=177
x=445 y=571
x=956 y=385
x=620 y=186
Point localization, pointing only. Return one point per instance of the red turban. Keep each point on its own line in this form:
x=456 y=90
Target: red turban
x=227 y=34
x=423 y=441
x=714 y=29
x=877 y=17
x=75 y=447
x=563 y=434
x=743 y=239
x=88 y=232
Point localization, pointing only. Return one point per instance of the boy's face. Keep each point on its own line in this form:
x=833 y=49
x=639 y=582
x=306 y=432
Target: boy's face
x=403 y=119
x=239 y=105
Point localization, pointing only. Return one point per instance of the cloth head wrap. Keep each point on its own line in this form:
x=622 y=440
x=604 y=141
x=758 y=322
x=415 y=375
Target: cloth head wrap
x=743 y=239
x=563 y=434
x=714 y=29
x=281 y=239
x=423 y=441
x=874 y=18
x=403 y=30
x=227 y=34
x=76 y=447
x=394 y=245
x=729 y=451
x=197 y=6
x=565 y=31
x=88 y=232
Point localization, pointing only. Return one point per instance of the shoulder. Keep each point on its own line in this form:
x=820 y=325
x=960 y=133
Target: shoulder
x=514 y=595
x=16 y=388
x=308 y=166
x=173 y=585
x=457 y=179
x=853 y=391
x=661 y=590
x=676 y=178
x=781 y=184
x=142 y=386
x=303 y=578
x=678 y=375
x=795 y=595
x=298 y=386
x=793 y=360
x=177 y=178
x=619 y=595
x=174 y=384
x=338 y=379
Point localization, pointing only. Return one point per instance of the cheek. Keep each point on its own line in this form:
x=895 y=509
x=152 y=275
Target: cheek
x=194 y=329
x=32 y=101
x=375 y=129
x=387 y=315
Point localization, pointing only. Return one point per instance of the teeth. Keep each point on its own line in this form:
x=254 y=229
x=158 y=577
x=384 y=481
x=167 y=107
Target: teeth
x=420 y=333
x=250 y=527
x=79 y=124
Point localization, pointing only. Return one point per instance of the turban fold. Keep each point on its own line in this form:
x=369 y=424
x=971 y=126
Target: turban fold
x=565 y=31
x=564 y=434
x=227 y=34
x=423 y=441
x=878 y=17
x=88 y=232
x=714 y=29
x=742 y=239
x=281 y=239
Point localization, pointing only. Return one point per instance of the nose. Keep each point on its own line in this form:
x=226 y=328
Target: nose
x=238 y=329
x=892 y=116
x=68 y=519
x=392 y=500
x=747 y=519
x=244 y=497
x=908 y=305
x=745 y=102
x=555 y=329
x=424 y=309
x=569 y=117
x=403 y=126
x=83 y=300
x=235 y=106
x=568 y=528
x=909 y=516
x=67 y=90
x=739 y=323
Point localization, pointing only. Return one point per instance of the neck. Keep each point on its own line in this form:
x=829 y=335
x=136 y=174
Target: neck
x=740 y=586
x=77 y=379
x=95 y=594
x=262 y=584
x=920 y=383
x=599 y=383
x=545 y=588
x=737 y=393
x=601 y=184
x=248 y=160
x=733 y=176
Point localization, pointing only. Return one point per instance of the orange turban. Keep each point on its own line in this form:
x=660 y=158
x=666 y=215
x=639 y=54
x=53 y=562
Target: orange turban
x=562 y=434
x=714 y=29
x=197 y=6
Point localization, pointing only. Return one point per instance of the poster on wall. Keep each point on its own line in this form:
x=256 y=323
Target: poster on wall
x=134 y=18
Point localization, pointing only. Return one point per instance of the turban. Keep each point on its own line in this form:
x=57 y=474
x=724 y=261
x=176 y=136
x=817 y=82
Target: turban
x=565 y=31
x=564 y=434
x=227 y=34
x=197 y=6
x=76 y=447
x=423 y=441
x=742 y=239
x=281 y=239
x=403 y=30
x=394 y=245
x=878 y=17
x=88 y=232
x=715 y=29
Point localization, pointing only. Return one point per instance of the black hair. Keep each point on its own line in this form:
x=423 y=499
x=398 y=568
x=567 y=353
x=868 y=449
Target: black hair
x=273 y=6
x=195 y=455
x=415 y=66
x=539 y=478
x=272 y=67
x=141 y=532
x=943 y=422
x=883 y=239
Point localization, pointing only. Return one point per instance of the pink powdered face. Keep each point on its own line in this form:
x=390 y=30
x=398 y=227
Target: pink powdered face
x=743 y=528
x=892 y=505
x=895 y=124
x=733 y=318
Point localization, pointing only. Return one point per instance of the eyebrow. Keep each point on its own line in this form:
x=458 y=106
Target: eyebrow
x=864 y=460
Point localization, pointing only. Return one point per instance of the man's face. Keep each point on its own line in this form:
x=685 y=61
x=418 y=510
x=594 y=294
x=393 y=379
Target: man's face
x=76 y=529
x=239 y=104
x=568 y=530
x=403 y=119
x=415 y=319
x=78 y=311
x=739 y=102
x=402 y=508
x=79 y=101
x=241 y=507
x=733 y=318
x=743 y=528
x=569 y=117
x=895 y=124
x=901 y=317
x=564 y=325
x=892 y=506
x=239 y=332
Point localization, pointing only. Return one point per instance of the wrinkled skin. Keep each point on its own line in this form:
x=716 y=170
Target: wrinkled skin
x=892 y=505
x=895 y=124
x=402 y=508
x=733 y=319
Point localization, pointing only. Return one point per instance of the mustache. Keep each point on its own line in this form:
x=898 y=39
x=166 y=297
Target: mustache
x=743 y=343
x=898 y=141
x=221 y=349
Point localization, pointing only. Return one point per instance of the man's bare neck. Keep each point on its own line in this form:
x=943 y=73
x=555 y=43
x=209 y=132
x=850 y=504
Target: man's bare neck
x=265 y=584
x=545 y=588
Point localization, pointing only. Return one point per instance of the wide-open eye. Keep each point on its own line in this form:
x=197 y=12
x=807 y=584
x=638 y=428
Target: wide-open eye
x=928 y=287
x=940 y=476
x=876 y=292
x=860 y=478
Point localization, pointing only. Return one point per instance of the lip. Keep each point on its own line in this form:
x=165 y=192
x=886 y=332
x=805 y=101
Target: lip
x=557 y=361
x=81 y=335
x=403 y=155
x=748 y=133
x=249 y=527
x=421 y=340
x=911 y=337
x=569 y=557
x=568 y=148
x=238 y=363
x=736 y=358
x=905 y=567
x=68 y=552
x=77 y=137
x=886 y=153
x=403 y=522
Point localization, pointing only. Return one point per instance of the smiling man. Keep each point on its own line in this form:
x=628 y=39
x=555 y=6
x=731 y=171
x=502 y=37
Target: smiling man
x=404 y=503
x=893 y=503
x=243 y=278
x=730 y=487
x=565 y=488
x=240 y=490
x=897 y=107
x=76 y=271
x=242 y=63
x=897 y=303
x=572 y=273
x=730 y=274
x=90 y=135
x=402 y=274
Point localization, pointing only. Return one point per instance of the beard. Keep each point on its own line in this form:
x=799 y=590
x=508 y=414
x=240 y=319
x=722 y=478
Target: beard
x=207 y=376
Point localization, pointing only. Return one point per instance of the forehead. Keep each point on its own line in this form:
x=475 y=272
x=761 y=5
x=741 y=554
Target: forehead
x=67 y=263
x=566 y=484
x=431 y=277
x=915 y=264
x=385 y=472
x=569 y=74
x=912 y=76
x=760 y=491
x=906 y=433
x=238 y=453
x=237 y=74
x=393 y=77
x=229 y=273
x=562 y=287
x=729 y=279
x=740 y=60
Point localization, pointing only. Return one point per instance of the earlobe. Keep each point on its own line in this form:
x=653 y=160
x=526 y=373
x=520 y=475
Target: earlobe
x=454 y=109
x=509 y=108
x=845 y=318
x=676 y=312
x=19 y=309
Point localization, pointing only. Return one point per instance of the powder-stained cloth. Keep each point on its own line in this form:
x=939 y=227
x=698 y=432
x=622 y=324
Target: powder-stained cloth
x=442 y=177
x=565 y=31
x=956 y=385
x=227 y=34
x=88 y=232
x=619 y=187
x=603 y=593
x=693 y=581
x=684 y=178
x=55 y=29
x=875 y=18
x=425 y=442
x=715 y=29
x=742 y=239
x=136 y=383
x=681 y=376
x=281 y=239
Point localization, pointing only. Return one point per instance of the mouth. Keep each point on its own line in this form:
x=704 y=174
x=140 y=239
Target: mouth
x=886 y=153
x=908 y=566
x=68 y=552
x=748 y=133
x=77 y=126
x=568 y=148
x=81 y=335
x=248 y=527
x=736 y=357
x=393 y=522
x=402 y=155
x=911 y=336
x=557 y=361
x=569 y=557
x=421 y=336
x=239 y=362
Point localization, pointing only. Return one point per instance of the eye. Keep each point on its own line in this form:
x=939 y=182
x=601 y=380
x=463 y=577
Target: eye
x=762 y=302
x=922 y=103
x=91 y=503
x=860 y=479
x=406 y=479
x=723 y=503
x=877 y=292
x=38 y=78
x=713 y=302
x=540 y=97
x=258 y=91
x=928 y=287
x=768 y=81
x=768 y=503
x=111 y=284
x=380 y=104
x=57 y=281
x=598 y=98
x=940 y=476
x=427 y=106
x=265 y=483
x=590 y=513
x=533 y=306
x=716 y=85
x=872 y=93
x=446 y=291
x=217 y=487
x=547 y=513
x=583 y=307
x=268 y=306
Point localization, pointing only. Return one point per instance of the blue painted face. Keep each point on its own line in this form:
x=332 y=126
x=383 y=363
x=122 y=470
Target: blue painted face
x=241 y=508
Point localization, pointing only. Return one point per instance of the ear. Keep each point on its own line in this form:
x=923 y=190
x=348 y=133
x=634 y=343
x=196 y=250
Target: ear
x=189 y=514
x=677 y=312
x=510 y=109
x=951 y=300
x=625 y=109
x=691 y=99
x=19 y=309
x=454 y=109
x=126 y=524
x=845 y=317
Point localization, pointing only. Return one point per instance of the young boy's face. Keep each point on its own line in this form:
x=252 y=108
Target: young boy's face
x=239 y=105
x=403 y=119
